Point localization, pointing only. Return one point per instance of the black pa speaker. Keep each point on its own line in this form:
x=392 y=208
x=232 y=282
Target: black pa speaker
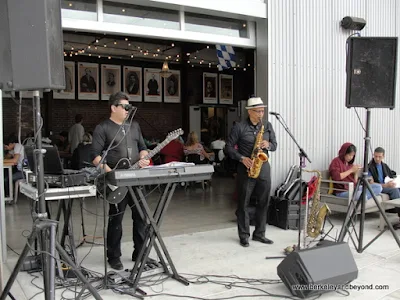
x=371 y=72
x=31 y=45
x=317 y=270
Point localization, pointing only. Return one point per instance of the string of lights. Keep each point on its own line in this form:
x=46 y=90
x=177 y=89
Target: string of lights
x=111 y=48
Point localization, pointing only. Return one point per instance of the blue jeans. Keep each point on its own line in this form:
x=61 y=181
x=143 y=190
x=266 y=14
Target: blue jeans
x=394 y=193
x=376 y=188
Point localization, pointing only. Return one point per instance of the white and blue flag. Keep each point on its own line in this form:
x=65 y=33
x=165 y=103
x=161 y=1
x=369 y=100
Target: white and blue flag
x=226 y=57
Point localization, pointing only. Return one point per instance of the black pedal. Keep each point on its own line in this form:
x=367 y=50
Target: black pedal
x=32 y=263
x=68 y=180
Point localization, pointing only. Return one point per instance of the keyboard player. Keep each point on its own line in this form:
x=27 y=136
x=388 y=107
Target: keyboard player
x=129 y=145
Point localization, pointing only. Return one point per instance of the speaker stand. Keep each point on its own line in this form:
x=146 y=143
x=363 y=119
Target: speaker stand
x=349 y=221
x=44 y=229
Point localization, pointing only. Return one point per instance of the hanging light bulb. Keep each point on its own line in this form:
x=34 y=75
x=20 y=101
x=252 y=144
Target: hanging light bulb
x=165 y=72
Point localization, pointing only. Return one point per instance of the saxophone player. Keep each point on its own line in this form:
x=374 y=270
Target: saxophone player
x=247 y=141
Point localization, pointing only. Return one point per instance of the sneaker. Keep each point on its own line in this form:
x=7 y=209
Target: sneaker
x=116 y=264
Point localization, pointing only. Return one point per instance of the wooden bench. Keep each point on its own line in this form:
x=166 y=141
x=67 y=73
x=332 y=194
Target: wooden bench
x=341 y=205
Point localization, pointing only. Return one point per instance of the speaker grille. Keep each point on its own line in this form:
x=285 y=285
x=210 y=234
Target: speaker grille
x=331 y=264
x=32 y=45
x=371 y=72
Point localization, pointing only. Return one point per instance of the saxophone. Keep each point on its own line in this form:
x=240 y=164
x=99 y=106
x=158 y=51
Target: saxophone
x=317 y=214
x=257 y=156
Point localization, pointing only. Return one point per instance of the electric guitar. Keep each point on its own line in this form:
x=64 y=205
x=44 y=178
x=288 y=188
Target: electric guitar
x=115 y=194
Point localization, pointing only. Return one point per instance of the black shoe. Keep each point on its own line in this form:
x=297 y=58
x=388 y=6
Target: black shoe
x=116 y=264
x=244 y=242
x=262 y=240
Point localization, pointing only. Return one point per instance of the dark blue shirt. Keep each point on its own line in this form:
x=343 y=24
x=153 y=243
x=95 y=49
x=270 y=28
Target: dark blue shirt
x=380 y=173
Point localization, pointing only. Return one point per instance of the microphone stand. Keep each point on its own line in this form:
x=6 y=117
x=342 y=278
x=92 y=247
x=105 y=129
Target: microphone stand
x=99 y=169
x=302 y=156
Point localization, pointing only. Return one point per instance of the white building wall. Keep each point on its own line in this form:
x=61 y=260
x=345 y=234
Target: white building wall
x=307 y=81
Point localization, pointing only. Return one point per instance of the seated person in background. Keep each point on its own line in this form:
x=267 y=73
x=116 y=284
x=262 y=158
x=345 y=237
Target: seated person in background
x=61 y=141
x=379 y=171
x=173 y=151
x=193 y=146
x=343 y=169
x=219 y=145
x=14 y=157
x=81 y=157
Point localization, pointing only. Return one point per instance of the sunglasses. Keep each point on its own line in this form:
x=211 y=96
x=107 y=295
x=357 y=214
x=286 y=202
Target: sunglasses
x=127 y=107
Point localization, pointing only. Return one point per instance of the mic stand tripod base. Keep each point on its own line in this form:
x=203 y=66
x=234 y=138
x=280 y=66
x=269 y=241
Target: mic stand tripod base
x=41 y=227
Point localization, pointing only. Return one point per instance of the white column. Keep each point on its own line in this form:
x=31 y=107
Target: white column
x=261 y=60
x=182 y=20
x=3 y=242
x=100 y=10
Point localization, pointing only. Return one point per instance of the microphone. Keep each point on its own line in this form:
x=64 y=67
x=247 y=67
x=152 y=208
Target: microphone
x=274 y=113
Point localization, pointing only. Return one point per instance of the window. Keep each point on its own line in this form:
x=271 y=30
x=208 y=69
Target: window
x=140 y=16
x=215 y=25
x=79 y=9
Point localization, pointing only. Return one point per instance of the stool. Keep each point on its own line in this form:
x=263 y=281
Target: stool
x=16 y=189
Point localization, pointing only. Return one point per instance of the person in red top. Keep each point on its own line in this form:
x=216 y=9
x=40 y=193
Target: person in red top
x=342 y=168
x=173 y=151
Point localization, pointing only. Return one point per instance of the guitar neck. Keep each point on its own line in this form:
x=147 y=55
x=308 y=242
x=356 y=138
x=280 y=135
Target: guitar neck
x=151 y=153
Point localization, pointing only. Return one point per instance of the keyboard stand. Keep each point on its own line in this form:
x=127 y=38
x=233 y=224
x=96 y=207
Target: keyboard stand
x=65 y=208
x=152 y=234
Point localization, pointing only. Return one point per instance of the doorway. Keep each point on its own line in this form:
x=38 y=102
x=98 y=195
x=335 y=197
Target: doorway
x=212 y=122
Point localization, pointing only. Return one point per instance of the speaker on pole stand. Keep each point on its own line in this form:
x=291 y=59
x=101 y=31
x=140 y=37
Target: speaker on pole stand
x=31 y=43
x=371 y=80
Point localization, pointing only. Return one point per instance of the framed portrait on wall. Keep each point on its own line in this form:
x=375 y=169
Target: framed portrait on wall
x=88 y=79
x=225 y=89
x=110 y=80
x=69 y=91
x=152 y=85
x=133 y=83
x=210 y=88
x=172 y=87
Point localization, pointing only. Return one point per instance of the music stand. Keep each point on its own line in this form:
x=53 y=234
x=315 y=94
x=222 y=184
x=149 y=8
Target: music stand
x=352 y=210
x=44 y=229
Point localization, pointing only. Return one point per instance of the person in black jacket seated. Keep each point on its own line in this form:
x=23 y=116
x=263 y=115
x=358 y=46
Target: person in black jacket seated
x=379 y=171
x=81 y=157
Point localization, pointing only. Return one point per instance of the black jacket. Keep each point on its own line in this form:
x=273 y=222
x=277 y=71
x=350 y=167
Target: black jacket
x=386 y=171
x=243 y=134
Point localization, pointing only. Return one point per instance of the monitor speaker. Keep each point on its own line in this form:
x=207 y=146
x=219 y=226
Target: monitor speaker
x=31 y=45
x=371 y=72
x=313 y=271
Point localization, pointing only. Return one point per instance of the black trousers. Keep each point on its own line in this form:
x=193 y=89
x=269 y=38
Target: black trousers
x=114 y=231
x=247 y=188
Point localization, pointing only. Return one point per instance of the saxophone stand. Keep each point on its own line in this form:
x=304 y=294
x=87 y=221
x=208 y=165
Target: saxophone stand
x=44 y=229
x=302 y=164
x=349 y=221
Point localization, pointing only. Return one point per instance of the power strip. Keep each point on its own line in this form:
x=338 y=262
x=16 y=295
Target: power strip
x=147 y=272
